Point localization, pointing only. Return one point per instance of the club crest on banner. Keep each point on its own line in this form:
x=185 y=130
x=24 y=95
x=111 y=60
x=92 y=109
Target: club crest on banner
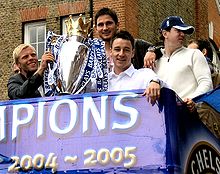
x=78 y=58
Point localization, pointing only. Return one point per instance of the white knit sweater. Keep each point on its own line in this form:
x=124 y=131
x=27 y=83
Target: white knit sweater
x=186 y=71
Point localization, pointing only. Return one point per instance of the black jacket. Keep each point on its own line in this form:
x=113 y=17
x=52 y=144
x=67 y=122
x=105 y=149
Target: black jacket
x=141 y=47
x=19 y=87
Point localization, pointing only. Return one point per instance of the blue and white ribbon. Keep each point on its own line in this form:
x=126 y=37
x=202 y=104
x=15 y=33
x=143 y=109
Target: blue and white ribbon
x=51 y=75
x=95 y=66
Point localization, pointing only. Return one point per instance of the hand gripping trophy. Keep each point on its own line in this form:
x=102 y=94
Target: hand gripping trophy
x=78 y=58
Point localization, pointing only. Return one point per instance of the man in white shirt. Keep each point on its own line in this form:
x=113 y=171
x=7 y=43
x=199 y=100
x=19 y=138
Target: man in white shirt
x=124 y=76
x=185 y=70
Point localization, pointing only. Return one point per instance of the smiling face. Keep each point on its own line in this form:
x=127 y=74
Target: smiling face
x=27 y=61
x=106 y=27
x=121 y=53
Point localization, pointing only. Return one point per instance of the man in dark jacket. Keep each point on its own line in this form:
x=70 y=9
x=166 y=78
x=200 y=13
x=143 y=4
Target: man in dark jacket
x=25 y=84
x=107 y=24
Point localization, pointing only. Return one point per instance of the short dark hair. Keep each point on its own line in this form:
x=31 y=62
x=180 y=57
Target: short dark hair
x=123 y=34
x=106 y=11
x=203 y=44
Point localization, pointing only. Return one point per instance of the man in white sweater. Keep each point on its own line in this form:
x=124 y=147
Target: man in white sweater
x=185 y=70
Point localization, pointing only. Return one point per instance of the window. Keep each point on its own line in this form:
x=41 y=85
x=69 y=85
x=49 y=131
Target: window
x=218 y=5
x=35 y=34
x=211 y=30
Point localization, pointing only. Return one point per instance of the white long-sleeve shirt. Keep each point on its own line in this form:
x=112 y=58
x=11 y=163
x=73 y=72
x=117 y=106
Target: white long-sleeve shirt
x=186 y=71
x=131 y=79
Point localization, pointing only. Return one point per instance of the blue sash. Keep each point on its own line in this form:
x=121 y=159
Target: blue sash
x=96 y=65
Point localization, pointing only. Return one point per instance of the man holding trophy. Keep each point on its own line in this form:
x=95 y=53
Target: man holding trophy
x=26 y=82
x=107 y=24
x=92 y=66
x=78 y=60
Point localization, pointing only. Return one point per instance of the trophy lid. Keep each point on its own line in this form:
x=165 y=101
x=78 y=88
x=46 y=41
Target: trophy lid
x=78 y=27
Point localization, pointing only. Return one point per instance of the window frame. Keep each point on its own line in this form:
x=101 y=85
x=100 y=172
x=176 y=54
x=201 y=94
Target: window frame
x=37 y=24
x=218 y=5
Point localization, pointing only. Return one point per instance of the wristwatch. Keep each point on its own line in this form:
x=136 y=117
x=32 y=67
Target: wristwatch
x=151 y=49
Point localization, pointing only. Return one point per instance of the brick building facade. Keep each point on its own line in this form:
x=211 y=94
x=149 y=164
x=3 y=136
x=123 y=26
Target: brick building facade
x=214 y=18
x=142 y=18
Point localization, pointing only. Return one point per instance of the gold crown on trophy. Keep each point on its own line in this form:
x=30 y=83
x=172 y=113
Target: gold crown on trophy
x=78 y=27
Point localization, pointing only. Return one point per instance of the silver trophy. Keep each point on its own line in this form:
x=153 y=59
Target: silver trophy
x=73 y=55
x=78 y=59
x=70 y=51
x=72 y=59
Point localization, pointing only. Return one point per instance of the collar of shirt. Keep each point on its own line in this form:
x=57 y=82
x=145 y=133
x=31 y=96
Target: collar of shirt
x=177 y=50
x=127 y=72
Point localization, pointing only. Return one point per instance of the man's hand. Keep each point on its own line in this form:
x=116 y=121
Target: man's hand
x=190 y=104
x=149 y=60
x=45 y=59
x=152 y=92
